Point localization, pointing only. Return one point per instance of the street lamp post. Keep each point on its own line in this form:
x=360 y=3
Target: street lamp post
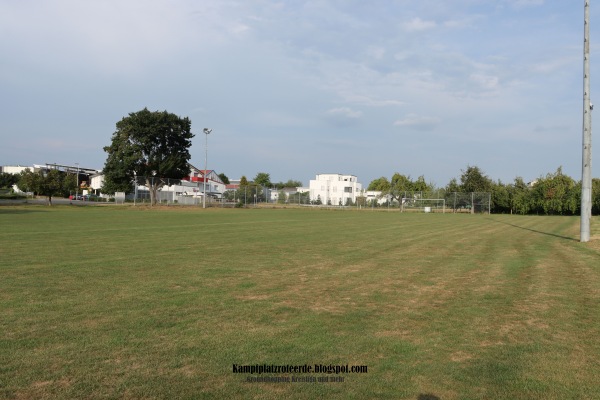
x=152 y=191
x=135 y=190
x=77 y=184
x=207 y=131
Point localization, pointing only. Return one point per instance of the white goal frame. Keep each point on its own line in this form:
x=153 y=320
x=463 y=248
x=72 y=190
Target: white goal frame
x=413 y=200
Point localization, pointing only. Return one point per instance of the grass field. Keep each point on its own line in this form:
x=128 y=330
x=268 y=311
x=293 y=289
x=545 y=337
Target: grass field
x=123 y=302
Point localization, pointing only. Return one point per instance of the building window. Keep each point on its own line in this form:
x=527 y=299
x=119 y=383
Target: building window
x=348 y=189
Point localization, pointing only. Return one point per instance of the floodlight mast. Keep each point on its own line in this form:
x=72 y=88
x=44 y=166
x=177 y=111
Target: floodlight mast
x=207 y=132
x=586 y=161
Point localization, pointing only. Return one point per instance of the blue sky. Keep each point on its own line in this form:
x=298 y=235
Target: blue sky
x=297 y=88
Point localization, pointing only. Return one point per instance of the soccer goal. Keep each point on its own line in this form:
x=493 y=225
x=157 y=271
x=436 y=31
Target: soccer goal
x=119 y=197
x=424 y=205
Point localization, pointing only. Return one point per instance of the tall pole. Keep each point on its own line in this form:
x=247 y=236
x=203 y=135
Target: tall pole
x=77 y=184
x=586 y=162
x=207 y=131
x=152 y=192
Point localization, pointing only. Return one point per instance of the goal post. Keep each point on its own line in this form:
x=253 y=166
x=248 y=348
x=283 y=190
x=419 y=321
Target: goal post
x=424 y=205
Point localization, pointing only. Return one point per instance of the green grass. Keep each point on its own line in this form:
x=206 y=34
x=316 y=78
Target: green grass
x=123 y=302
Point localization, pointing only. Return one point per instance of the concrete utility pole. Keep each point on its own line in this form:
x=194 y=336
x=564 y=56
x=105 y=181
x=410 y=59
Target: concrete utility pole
x=586 y=162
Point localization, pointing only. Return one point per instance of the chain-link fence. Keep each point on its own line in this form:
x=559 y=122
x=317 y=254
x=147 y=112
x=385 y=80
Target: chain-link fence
x=474 y=202
x=174 y=191
x=434 y=201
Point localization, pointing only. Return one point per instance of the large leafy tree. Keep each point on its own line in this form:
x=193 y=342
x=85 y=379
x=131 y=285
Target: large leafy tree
x=47 y=183
x=152 y=145
x=402 y=186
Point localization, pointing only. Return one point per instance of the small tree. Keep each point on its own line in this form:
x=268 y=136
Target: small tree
x=8 y=180
x=289 y=184
x=520 y=197
x=500 y=197
x=224 y=178
x=281 y=197
x=47 y=183
x=263 y=179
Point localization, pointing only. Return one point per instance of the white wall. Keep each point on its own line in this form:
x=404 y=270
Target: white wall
x=14 y=169
x=335 y=188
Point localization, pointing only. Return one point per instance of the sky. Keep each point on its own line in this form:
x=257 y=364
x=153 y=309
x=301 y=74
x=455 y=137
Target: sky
x=298 y=88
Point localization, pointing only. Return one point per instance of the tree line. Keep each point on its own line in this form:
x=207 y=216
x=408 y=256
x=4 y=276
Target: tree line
x=553 y=194
x=154 y=147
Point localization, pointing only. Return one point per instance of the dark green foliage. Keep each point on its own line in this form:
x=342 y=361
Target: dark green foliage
x=473 y=180
x=289 y=184
x=520 y=197
x=155 y=145
x=7 y=180
x=224 y=178
x=596 y=196
x=500 y=198
x=452 y=186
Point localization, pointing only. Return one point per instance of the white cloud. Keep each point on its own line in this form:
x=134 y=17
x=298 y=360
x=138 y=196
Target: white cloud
x=345 y=112
x=417 y=25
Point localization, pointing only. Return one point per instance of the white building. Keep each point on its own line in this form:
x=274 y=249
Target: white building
x=374 y=196
x=288 y=192
x=191 y=186
x=335 y=189
x=14 y=169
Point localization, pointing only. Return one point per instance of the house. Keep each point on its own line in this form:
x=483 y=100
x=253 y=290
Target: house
x=190 y=186
x=335 y=189
x=214 y=185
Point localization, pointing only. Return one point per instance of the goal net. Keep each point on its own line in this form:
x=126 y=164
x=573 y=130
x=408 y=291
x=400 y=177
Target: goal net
x=423 y=205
